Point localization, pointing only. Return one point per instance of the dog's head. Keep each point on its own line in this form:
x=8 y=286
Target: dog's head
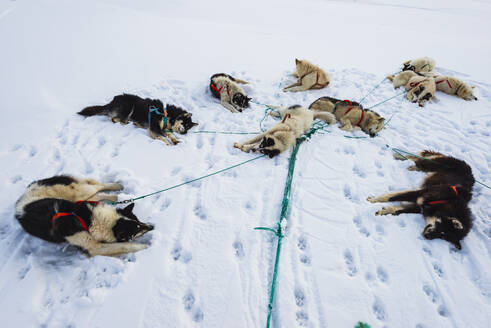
x=241 y=100
x=127 y=226
x=179 y=119
x=444 y=227
x=375 y=123
x=408 y=67
x=466 y=93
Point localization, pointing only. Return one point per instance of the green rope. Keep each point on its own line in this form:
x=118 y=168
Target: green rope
x=186 y=182
x=380 y=103
x=284 y=213
x=372 y=90
x=362 y=325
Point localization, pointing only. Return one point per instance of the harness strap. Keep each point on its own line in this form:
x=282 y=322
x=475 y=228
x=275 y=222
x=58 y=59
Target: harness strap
x=215 y=88
x=336 y=105
x=152 y=109
x=444 y=201
x=361 y=118
x=448 y=82
x=61 y=214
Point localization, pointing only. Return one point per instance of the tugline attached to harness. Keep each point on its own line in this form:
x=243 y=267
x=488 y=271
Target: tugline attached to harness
x=62 y=214
x=153 y=109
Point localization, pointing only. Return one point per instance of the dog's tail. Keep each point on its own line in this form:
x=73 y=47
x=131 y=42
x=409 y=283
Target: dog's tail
x=93 y=110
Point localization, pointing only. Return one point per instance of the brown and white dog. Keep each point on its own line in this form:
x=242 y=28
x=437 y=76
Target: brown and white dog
x=67 y=209
x=309 y=77
x=227 y=89
x=296 y=121
x=351 y=115
x=454 y=86
x=424 y=64
x=442 y=198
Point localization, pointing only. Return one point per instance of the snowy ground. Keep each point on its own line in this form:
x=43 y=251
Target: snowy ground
x=206 y=266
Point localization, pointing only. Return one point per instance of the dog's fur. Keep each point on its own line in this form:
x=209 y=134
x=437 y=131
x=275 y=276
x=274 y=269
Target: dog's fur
x=110 y=229
x=372 y=123
x=130 y=108
x=450 y=219
x=309 y=77
x=296 y=121
x=420 y=87
x=424 y=64
x=231 y=94
x=454 y=86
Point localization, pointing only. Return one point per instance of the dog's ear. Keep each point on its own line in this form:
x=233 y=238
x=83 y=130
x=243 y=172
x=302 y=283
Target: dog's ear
x=273 y=153
x=297 y=61
x=129 y=208
x=381 y=119
x=188 y=114
x=193 y=124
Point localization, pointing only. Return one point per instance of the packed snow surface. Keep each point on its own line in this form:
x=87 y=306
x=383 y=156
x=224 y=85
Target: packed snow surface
x=206 y=266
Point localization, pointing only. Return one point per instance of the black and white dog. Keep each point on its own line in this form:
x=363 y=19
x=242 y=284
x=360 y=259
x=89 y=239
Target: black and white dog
x=442 y=199
x=66 y=209
x=147 y=113
x=227 y=89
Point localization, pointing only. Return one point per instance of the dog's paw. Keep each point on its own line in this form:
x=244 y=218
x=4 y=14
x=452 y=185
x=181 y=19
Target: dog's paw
x=413 y=168
x=390 y=77
x=237 y=145
x=399 y=157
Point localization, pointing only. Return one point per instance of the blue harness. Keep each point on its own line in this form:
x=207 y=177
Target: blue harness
x=152 y=109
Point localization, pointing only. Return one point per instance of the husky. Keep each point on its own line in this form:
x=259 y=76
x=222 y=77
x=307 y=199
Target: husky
x=309 y=77
x=351 y=115
x=227 y=89
x=424 y=64
x=67 y=209
x=402 y=78
x=454 y=86
x=442 y=198
x=296 y=121
x=146 y=113
x=420 y=89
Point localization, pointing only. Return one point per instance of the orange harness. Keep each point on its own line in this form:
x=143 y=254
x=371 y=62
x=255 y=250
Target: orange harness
x=219 y=90
x=349 y=109
x=444 y=201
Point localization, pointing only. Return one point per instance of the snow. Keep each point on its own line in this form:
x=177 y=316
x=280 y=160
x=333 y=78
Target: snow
x=206 y=266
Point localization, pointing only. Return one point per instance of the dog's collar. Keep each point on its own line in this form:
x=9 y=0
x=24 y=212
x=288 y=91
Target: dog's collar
x=152 y=109
x=448 y=82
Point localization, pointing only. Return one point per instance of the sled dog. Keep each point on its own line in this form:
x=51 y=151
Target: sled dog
x=442 y=198
x=227 y=89
x=424 y=64
x=147 y=113
x=67 y=209
x=309 y=77
x=296 y=121
x=454 y=86
x=420 y=89
x=351 y=115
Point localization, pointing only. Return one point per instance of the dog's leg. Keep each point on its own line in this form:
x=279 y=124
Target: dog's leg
x=102 y=196
x=172 y=137
x=93 y=247
x=250 y=144
x=307 y=82
x=402 y=196
x=159 y=137
x=296 y=84
x=399 y=209
x=346 y=125
x=229 y=106
x=325 y=116
x=115 y=119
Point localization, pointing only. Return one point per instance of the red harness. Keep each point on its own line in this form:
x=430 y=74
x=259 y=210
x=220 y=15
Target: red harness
x=443 y=201
x=219 y=90
x=448 y=82
x=349 y=109
x=82 y=222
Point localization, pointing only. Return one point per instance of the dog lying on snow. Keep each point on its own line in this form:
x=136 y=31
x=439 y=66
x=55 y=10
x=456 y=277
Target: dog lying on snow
x=65 y=209
x=296 y=121
x=146 y=113
x=454 y=86
x=309 y=77
x=424 y=64
x=442 y=199
x=227 y=89
x=351 y=115
x=419 y=88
